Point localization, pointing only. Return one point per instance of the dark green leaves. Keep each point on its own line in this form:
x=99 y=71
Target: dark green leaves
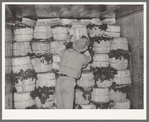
x=47 y=56
x=43 y=93
x=24 y=75
x=103 y=73
x=86 y=93
x=102 y=27
x=121 y=88
x=119 y=53
x=99 y=39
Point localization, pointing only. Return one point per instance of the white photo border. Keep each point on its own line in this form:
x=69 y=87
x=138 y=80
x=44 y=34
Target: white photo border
x=79 y=114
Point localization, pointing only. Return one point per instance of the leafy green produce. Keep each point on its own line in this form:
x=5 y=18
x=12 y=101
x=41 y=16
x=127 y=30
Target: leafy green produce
x=102 y=27
x=121 y=88
x=103 y=73
x=47 y=56
x=107 y=105
x=99 y=39
x=86 y=93
x=43 y=93
x=119 y=53
x=24 y=75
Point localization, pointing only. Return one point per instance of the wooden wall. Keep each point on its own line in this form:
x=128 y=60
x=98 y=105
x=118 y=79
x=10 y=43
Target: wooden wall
x=132 y=29
x=9 y=36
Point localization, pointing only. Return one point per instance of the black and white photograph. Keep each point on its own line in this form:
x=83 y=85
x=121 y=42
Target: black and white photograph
x=70 y=60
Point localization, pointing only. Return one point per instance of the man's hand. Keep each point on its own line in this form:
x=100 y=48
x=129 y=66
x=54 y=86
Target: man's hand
x=88 y=54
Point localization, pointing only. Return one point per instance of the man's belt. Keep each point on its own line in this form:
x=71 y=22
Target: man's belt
x=65 y=75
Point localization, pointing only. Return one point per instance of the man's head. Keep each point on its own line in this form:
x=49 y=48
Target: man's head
x=81 y=45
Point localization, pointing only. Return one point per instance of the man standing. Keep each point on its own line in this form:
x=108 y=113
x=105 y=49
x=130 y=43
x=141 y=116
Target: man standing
x=72 y=61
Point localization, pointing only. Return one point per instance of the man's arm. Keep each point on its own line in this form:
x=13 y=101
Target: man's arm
x=62 y=49
x=87 y=58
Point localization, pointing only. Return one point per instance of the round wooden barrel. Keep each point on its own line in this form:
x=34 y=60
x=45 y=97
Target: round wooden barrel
x=119 y=64
x=42 y=32
x=101 y=57
x=23 y=104
x=65 y=21
x=48 y=104
x=22 y=96
x=113 y=28
x=46 y=79
x=79 y=99
x=43 y=35
x=104 y=84
x=117 y=96
x=20 y=38
x=86 y=83
x=40 y=28
x=100 y=99
x=23 y=31
x=8 y=50
x=102 y=43
x=87 y=75
x=123 y=77
x=60 y=37
x=112 y=34
x=8 y=65
x=100 y=91
x=60 y=30
x=55 y=46
x=9 y=100
x=89 y=106
x=40 y=47
x=100 y=60
x=100 y=95
x=21 y=48
x=122 y=105
x=41 y=65
x=102 y=47
x=25 y=88
x=119 y=43
x=21 y=63
x=78 y=31
x=99 y=64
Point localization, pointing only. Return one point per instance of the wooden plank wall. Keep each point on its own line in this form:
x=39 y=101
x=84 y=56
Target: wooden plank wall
x=9 y=36
x=132 y=29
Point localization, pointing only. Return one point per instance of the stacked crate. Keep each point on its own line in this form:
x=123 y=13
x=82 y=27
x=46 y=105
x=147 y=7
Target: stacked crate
x=41 y=59
x=119 y=59
x=24 y=76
